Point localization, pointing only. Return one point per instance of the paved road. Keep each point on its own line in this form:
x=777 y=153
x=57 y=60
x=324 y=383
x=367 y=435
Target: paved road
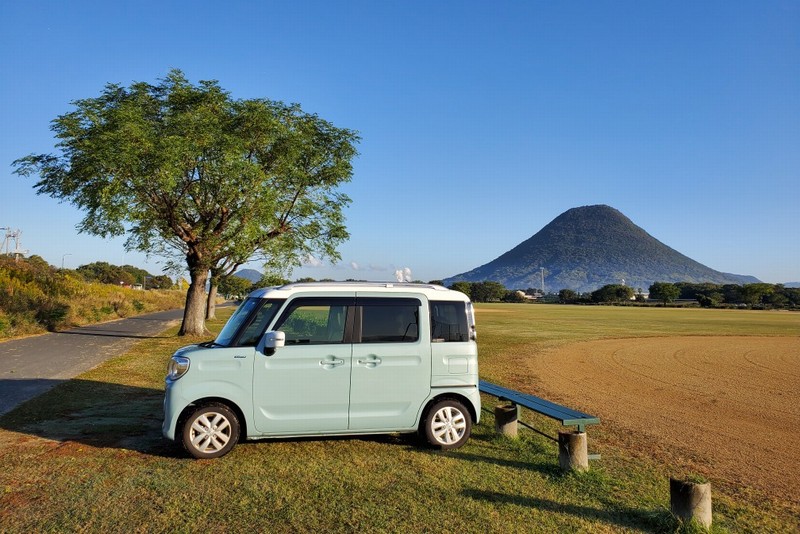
x=31 y=366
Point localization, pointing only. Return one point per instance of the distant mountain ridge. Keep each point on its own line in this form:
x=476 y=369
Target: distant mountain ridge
x=588 y=247
x=249 y=274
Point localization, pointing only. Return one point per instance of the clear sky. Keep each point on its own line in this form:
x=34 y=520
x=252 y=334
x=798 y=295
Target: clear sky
x=481 y=121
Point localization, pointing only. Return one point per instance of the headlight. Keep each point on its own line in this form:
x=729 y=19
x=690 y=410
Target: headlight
x=177 y=367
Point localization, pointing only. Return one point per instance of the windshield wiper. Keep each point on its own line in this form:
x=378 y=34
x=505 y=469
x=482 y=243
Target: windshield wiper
x=209 y=344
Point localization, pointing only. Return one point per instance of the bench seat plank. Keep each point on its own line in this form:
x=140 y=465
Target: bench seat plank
x=567 y=416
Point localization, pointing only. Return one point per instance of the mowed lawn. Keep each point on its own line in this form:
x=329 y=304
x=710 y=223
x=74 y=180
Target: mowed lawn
x=88 y=455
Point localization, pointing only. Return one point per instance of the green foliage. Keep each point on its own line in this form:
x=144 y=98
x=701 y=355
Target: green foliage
x=161 y=281
x=613 y=293
x=486 y=291
x=664 y=291
x=234 y=286
x=757 y=295
x=567 y=296
x=35 y=297
x=270 y=279
x=106 y=273
x=189 y=172
x=514 y=296
x=464 y=287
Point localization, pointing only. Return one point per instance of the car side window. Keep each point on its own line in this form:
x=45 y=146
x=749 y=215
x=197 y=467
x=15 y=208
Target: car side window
x=448 y=321
x=389 y=323
x=258 y=323
x=310 y=322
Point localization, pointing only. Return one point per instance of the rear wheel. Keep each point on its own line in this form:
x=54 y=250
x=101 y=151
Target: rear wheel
x=210 y=431
x=447 y=425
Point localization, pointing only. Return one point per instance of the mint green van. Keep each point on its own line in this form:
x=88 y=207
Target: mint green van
x=326 y=359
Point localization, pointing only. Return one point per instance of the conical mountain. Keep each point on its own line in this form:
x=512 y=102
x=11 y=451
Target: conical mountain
x=588 y=247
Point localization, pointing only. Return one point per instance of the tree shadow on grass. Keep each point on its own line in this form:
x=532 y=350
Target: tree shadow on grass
x=549 y=469
x=658 y=520
x=98 y=414
x=109 y=333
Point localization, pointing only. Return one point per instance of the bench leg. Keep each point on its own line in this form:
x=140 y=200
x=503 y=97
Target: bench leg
x=505 y=420
x=689 y=501
x=573 y=453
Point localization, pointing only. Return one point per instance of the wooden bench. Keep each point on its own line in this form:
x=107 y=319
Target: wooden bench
x=567 y=416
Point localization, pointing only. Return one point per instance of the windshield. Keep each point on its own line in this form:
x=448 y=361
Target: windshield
x=249 y=321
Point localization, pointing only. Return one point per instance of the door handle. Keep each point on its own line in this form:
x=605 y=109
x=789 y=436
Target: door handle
x=370 y=362
x=330 y=362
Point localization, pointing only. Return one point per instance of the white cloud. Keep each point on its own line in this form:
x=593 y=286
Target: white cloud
x=311 y=261
x=403 y=275
x=354 y=266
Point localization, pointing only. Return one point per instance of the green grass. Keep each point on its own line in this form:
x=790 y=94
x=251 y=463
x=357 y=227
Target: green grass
x=502 y=327
x=88 y=456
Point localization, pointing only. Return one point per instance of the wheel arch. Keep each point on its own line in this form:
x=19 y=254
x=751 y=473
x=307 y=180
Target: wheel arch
x=451 y=396
x=215 y=400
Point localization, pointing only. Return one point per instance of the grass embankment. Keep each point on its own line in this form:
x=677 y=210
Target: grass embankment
x=35 y=298
x=88 y=456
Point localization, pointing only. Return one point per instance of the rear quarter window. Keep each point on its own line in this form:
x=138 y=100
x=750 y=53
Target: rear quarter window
x=449 y=321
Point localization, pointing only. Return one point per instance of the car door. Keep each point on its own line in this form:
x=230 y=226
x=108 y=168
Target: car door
x=304 y=386
x=391 y=363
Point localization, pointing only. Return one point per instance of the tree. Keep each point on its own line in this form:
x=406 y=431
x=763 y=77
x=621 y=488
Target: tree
x=514 y=296
x=613 y=293
x=234 y=286
x=464 y=287
x=161 y=281
x=487 y=291
x=187 y=171
x=664 y=291
x=754 y=294
x=105 y=273
x=567 y=296
x=270 y=279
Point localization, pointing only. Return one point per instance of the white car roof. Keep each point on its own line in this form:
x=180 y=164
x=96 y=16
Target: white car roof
x=431 y=291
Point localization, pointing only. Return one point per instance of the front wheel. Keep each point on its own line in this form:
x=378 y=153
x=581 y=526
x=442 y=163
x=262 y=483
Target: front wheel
x=210 y=431
x=447 y=425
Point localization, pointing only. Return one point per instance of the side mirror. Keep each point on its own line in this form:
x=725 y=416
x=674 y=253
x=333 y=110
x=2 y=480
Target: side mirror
x=274 y=339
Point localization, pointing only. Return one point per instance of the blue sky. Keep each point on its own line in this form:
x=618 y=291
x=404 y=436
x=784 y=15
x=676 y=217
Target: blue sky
x=481 y=121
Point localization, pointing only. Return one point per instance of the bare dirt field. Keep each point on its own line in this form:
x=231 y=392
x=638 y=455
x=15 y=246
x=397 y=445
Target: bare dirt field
x=725 y=407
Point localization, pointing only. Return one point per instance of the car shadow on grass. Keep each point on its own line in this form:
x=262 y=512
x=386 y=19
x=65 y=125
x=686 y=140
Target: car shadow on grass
x=98 y=414
x=117 y=416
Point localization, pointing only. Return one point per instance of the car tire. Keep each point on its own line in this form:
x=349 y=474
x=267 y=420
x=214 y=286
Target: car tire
x=210 y=431
x=447 y=424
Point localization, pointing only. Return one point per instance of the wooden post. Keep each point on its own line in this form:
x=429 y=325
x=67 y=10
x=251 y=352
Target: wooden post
x=690 y=501
x=505 y=420
x=573 y=454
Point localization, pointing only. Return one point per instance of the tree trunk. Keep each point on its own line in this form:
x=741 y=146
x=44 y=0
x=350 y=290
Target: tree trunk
x=211 y=306
x=194 y=313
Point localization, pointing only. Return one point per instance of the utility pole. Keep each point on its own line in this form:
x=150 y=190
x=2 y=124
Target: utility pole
x=15 y=235
x=542 y=281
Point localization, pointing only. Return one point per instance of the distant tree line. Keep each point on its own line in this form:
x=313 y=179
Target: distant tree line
x=757 y=295
x=125 y=275
x=488 y=291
